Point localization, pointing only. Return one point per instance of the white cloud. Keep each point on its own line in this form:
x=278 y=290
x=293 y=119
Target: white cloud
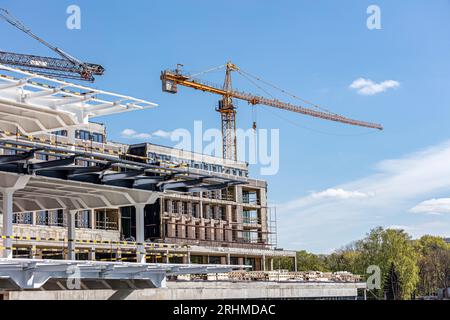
x=133 y=134
x=340 y=194
x=369 y=88
x=344 y=213
x=433 y=206
x=128 y=132
x=142 y=136
x=162 y=134
x=399 y=227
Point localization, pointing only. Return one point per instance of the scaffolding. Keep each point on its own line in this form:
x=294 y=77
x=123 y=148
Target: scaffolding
x=272 y=226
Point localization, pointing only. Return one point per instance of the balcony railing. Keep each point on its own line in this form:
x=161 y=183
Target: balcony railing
x=23 y=218
x=106 y=225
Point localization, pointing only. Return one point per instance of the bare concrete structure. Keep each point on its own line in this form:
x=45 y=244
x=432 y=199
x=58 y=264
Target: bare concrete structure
x=207 y=290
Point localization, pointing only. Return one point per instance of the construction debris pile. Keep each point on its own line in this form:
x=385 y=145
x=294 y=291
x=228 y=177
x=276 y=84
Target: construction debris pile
x=278 y=275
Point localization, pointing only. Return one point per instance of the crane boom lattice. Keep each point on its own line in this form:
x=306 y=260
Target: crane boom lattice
x=65 y=67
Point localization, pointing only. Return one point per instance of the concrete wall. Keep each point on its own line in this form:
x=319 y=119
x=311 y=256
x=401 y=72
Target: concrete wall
x=204 y=290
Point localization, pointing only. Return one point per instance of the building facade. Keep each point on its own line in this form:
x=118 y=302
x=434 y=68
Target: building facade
x=229 y=224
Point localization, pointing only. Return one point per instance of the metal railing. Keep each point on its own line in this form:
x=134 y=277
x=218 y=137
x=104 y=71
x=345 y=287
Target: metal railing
x=106 y=225
x=23 y=218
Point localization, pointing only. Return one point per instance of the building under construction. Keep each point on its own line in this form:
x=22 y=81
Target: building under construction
x=129 y=216
x=230 y=225
x=206 y=210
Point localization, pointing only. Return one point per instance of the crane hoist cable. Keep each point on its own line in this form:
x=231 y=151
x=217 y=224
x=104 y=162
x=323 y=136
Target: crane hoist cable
x=287 y=92
x=207 y=71
x=254 y=106
x=327 y=133
x=244 y=74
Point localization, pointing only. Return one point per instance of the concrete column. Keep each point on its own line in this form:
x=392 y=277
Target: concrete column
x=271 y=264
x=197 y=210
x=7 y=222
x=202 y=230
x=239 y=223
x=169 y=206
x=238 y=193
x=92 y=218
x=191 y=230
x=229 y=214
x=200 y=211
x=182 y=230
x=171 y=227
x=33 y=252
x=140 y=250
x=92 y=255
x=119 y=220
x=220 y=233
x=228 y=259
x=189 y=257
x=240 y=261
x=212 y=231
x=206 y=212
x=71 y=234
x=263 y=260
x=33 y=218
x=71 y=137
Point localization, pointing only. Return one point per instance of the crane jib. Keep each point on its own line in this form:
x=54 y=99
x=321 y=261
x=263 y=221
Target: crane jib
x=186 y=81
x=318 y=114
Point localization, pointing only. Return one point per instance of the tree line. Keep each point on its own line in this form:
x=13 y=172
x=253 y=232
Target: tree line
x=408 y=268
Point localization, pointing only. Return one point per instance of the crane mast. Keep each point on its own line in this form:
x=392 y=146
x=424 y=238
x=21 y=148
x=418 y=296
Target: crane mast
x=228 y=115
x=171 y=80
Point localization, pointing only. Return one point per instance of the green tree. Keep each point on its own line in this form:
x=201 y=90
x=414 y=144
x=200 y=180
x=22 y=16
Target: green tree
x=392 y=286
x=385 y=248
x=346 y=259
x=311 y=262
x=434 y=264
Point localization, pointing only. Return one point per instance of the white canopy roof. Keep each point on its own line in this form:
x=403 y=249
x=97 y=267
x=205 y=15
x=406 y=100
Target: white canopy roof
x=35 y=104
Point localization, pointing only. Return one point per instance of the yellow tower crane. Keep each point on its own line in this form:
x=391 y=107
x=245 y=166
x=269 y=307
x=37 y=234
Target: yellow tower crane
x=171 y=79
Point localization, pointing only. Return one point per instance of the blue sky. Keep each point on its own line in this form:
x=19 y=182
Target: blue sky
x=335 y=182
